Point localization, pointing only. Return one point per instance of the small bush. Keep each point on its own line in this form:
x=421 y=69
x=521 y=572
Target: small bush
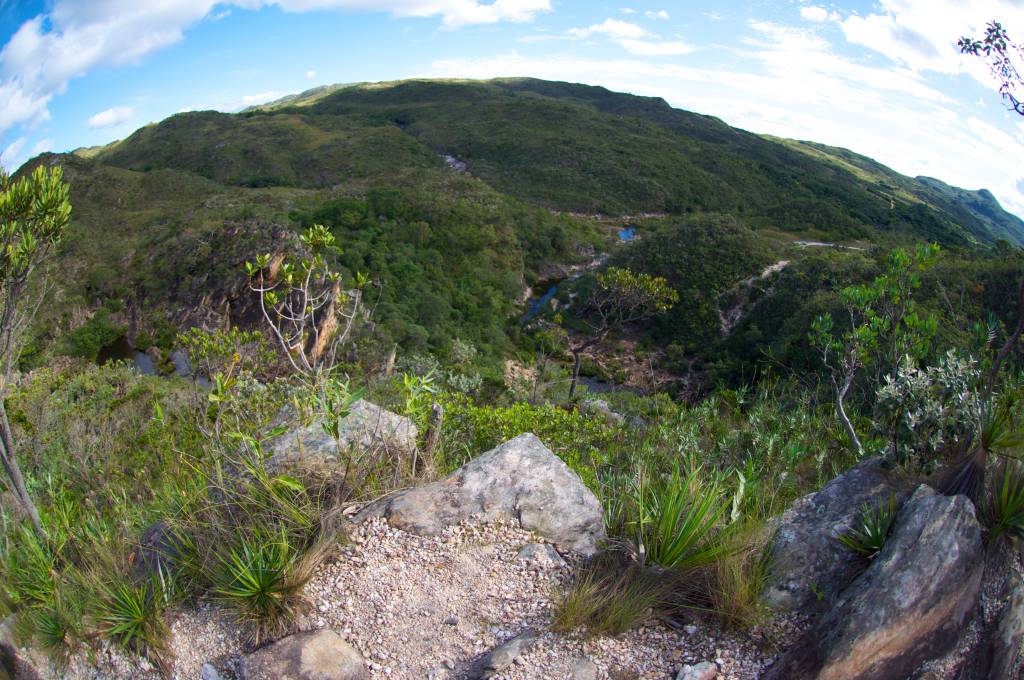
x=867 y=536
x=1005 y=515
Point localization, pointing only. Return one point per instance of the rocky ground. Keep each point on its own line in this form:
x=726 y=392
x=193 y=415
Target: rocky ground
x=434 y=607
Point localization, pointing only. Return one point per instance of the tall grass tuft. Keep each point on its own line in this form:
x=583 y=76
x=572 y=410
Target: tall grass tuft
x=609 y=595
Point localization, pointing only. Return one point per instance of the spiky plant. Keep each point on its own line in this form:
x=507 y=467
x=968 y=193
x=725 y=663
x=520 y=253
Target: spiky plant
x=261 y=580
x=1005 y=513
x=131 y=614
x=867 y=536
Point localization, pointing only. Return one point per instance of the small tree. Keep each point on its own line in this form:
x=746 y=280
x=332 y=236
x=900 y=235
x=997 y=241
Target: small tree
x=304 y=302
x=549 y=339
x=885 y=326
x=1003 y=57
x=620 y=297
x=34 y=214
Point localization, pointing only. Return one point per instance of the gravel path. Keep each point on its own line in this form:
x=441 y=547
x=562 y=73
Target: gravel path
x=431 y=608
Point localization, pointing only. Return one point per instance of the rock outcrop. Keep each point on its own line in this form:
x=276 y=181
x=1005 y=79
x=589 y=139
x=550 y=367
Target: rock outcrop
x=309 y=450
x=13 y=664
x=316 y=655
x=908 y=607
x=809 y=567
x=1008 y=642
x=520 y=480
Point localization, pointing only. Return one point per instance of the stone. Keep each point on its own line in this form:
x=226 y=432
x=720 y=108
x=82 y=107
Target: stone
x=1008 y=642
x=308 y=450
x=504 y=655
x=316 y=655
x=601 y=409
x=13 y=664
x=908 y=607
x=706 y=670
x=809 y=566
x=208 y=672
x=540 y=553
x=519 y=481
x=155 y=551
x=585 y=669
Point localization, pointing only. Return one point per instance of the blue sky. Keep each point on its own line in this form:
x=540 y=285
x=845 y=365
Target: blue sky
x=881 y=78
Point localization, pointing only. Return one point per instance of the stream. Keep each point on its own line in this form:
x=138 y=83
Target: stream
x=538 y=304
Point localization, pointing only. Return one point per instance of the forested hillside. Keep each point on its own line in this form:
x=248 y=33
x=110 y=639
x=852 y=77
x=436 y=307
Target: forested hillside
x=455 y=197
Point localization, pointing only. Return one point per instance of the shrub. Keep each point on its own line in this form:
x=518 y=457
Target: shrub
x=923 y=411
x=1005 y=515
x=867 y=536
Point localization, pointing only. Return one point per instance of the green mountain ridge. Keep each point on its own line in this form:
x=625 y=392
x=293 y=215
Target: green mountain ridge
x=165 y=218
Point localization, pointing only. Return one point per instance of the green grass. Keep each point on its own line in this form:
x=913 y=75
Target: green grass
x=608 y=596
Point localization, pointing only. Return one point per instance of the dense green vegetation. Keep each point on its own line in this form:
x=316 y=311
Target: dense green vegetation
x=153 y=490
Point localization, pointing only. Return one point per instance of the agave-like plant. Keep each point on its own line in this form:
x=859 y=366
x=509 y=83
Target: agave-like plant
x=262 y=578
x=676 y=519
x=867 y=536
x=132 y=615
x=1005 y=512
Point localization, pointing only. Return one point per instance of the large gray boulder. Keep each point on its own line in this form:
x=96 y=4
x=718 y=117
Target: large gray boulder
x=809 y=566
x=309 y=450
x=316 y=655
x=1008 y=642
x=907 y=608
x=520 y=480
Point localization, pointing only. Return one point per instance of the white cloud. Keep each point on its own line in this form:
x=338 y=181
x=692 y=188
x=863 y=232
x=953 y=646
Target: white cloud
x=922 y=34
x=42 y=146
x=111 y=117
x=260 y=98
x=50 y=50
x=660 y=14
x=815 y=13
x=647 y=48
x=627 y=10
x=632 y=38
x=613 y=28
x=11 y=157
x=310 y=74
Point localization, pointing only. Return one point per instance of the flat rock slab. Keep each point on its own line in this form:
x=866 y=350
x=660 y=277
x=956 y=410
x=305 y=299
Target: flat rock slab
x=908 y=607
x=520 y=480
x=809 y=566
x=317 y=655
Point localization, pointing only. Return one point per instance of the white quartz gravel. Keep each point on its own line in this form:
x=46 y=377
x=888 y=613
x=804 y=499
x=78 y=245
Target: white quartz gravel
x=430 y=608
